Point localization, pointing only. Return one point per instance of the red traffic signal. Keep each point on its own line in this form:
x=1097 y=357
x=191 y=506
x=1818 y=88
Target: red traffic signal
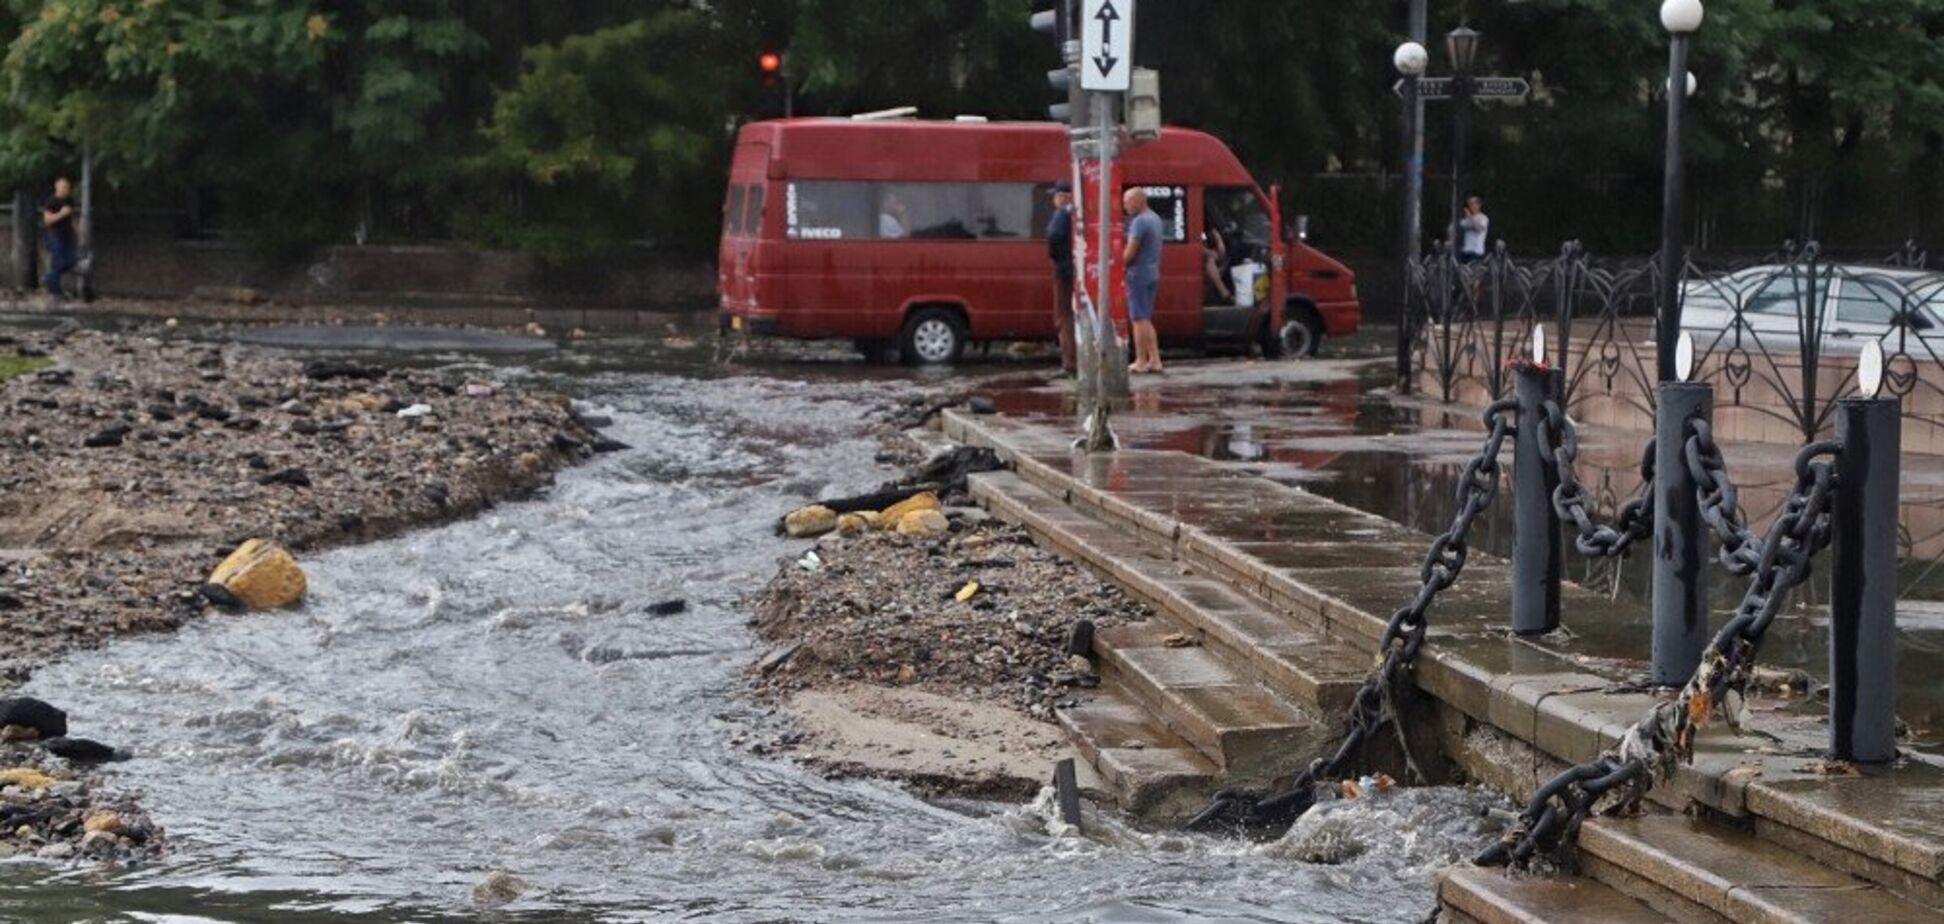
x=770 y=62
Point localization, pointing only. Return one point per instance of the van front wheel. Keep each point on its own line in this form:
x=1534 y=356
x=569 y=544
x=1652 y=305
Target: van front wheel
x=933 y=336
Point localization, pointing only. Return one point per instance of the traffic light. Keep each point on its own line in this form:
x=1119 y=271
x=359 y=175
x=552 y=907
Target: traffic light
x=1059 y=23
x=777 y=99
x=1144 y=104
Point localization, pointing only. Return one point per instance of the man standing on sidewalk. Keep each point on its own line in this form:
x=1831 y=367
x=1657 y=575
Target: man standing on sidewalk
x=1143 y=260
x=1059 y=249
x=63 y=243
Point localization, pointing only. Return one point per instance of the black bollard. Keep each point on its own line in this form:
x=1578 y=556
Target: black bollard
x=1680 y=537
x=1863 y=608
x=1536 y=562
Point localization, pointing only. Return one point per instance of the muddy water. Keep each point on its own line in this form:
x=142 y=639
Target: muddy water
x=492 y=695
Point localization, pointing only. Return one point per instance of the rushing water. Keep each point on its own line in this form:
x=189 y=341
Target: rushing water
x=492 y=695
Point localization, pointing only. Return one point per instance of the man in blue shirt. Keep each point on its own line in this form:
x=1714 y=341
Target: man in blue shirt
x=1143 y=261
x=1059 y=249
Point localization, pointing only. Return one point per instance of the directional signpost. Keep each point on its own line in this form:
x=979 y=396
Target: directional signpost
x=1482 y=88
x=1106 y=45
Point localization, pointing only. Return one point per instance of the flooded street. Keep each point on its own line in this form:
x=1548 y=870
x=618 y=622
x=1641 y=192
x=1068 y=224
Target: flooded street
x=494 y=695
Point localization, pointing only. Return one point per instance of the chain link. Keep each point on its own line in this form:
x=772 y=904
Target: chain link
x=1655 y=746
x=1741 y=550
x=1595 y=540
x=1403 y=638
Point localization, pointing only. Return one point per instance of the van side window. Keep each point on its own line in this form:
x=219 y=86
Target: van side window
x=850 y=211
x=753 y=223
x=732 y=211
x=1171 y=203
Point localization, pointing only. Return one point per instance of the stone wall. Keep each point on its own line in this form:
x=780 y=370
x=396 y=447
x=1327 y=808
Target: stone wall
x=154 y=264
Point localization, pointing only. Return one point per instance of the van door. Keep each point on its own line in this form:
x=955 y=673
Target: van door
x=1239 y=254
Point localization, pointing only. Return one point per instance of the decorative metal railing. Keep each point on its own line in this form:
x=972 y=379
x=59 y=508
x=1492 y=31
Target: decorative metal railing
x=1776 y=335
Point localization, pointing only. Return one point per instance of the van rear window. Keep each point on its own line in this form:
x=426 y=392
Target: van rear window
x=753 y=222
x=732 y=211
x=862 y=211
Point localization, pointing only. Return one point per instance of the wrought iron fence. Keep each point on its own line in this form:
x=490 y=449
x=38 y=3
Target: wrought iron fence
x=1776 y=335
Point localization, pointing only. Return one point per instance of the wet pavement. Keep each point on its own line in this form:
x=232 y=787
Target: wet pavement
x=1336 y=429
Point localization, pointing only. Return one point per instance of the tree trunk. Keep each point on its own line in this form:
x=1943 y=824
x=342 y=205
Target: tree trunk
x=22 y=262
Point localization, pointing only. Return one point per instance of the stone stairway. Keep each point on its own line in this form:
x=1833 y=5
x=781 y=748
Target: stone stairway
x=1269 y=621
x=1218 y=691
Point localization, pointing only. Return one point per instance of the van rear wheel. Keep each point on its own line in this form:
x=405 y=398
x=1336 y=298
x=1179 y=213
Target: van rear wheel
x=933 y=336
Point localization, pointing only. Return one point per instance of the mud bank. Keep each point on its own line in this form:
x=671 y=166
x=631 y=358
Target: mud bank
x=936 y=660
x=131 y=464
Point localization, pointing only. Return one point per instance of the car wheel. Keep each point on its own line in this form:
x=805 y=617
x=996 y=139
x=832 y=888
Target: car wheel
x=933 y=336
x=1301 y=334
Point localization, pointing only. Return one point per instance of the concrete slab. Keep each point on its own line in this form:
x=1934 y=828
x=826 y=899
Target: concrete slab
x=1491 y=897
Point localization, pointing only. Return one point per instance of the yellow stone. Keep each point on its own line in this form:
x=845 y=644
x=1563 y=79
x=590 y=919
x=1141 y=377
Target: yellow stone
x=855 y=523
x=26 y=777
x=102 y=821
x=923 y=523
x=965 y=593
x=814 y=520
x=262 y=575
x=893 y=516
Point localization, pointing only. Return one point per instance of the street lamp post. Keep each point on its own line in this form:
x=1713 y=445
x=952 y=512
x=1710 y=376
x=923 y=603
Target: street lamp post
x=1461 y=45
x=1411 y=59
x=1681 y=18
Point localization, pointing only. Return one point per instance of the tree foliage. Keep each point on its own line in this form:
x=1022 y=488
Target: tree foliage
x=569 y=127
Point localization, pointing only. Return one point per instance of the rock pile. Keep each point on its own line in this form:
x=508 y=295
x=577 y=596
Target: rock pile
x=136 y=463
x=51 y=808
x=974 y=611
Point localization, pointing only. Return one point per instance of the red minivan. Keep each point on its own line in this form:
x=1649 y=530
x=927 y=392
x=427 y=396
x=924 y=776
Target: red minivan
x=929 y=235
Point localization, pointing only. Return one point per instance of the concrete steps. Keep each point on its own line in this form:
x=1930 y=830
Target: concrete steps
x=1151 y=772
x=1252 y=734
x=1469 y=895
x=1249 y=692
x=1278 y=651
x=1699 y=871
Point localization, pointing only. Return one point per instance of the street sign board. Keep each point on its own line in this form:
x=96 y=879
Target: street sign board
x=1106 y=45
x=1432 y=88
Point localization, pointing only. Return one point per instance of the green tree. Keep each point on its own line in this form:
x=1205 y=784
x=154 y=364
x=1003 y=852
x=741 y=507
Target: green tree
x=618 y=133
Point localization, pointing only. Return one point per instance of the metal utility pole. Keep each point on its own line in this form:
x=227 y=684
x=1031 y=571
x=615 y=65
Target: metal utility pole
x=1462 y=46
x=1681 y=18
x=1411 y=61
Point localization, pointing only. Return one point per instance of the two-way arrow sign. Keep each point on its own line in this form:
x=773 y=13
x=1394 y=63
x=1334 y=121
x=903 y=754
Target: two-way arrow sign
x=1106 y=44
x=1433 y=88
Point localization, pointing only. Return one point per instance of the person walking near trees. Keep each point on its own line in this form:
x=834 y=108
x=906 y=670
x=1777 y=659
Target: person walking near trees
x=1143 y=261
x=1059 y=249
x=63 y=242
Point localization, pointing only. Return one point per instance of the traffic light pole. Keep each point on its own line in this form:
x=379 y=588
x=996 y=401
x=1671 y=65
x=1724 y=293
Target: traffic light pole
x=1108 y=359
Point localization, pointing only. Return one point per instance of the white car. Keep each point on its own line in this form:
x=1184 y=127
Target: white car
x=1900 y=307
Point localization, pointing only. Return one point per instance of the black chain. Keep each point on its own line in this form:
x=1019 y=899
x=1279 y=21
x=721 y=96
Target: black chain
x=1478 y=486
x=1741 y=551
x=1659 y=742
x=1595 y=540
